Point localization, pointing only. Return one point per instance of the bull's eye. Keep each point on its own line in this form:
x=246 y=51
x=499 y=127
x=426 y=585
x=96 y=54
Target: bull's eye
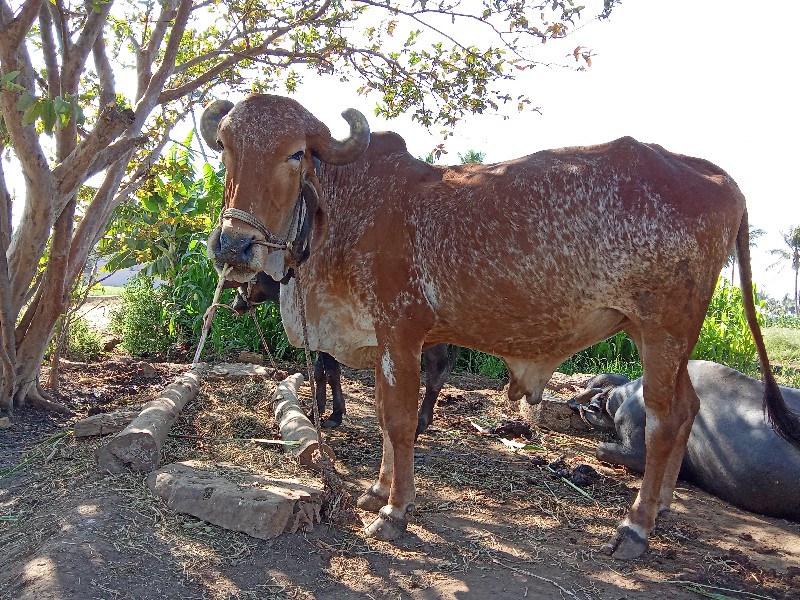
x=297 y=155
x=219 y=144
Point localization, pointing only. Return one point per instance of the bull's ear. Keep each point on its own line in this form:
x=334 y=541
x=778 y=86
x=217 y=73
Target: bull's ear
x=319 y=231
x=315 y=203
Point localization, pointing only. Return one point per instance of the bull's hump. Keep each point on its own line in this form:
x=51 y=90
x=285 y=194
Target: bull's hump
x=386 y=142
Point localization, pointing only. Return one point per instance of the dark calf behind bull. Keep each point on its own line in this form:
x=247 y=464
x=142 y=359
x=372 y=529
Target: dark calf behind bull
x=438 y=360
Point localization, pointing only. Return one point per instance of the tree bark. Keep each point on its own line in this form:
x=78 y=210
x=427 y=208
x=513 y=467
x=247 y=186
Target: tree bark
x=104 y=423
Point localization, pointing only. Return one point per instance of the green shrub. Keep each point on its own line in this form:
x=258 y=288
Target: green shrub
x=83 y=342
x=478 y=363
x=192 y=292
x=784 y=321
x=140 y=318
x=583 y=362
x=725 y=337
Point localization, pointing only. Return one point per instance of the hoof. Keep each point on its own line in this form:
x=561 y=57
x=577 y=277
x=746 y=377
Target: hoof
x=387 y=526
x=625 y=545
x=371 y=502
x=332 y=422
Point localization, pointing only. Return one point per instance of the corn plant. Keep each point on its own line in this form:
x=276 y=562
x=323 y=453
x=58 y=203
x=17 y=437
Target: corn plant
x=725 y=337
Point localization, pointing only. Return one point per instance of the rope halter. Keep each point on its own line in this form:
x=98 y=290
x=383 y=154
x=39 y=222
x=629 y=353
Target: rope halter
x=304 y=210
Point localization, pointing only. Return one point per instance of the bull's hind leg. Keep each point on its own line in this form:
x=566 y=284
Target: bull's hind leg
x=668 y=422
x=687 y=404
x=438 y=364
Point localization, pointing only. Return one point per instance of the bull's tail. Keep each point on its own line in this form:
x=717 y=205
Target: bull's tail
x=784 y=421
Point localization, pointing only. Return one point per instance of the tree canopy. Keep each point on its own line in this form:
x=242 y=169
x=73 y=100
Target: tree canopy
x=790 y=254
x=92 y=90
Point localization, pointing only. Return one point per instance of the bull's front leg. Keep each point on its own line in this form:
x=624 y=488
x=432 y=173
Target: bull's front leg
x=396 y=391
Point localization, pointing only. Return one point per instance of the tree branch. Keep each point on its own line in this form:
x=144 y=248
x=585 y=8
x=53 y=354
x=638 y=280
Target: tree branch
x=75 y=54
x=249 y=54
x=5 y=211
x=15 y=30
x=71 y=172
x=146 y=52
x=114 y=152
x=149 y=99
x=57 y=13
x=105 y=73
x=8 y=346
x=49 y=51
x=97 y=214
x=27 y=243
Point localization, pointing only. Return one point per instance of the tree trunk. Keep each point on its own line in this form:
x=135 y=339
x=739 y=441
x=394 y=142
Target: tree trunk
x=53 y=303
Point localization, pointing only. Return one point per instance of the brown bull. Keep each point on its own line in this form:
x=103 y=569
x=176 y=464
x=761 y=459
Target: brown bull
x=402 y=255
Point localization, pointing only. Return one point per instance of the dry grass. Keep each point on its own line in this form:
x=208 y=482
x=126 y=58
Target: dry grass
x=482 y=505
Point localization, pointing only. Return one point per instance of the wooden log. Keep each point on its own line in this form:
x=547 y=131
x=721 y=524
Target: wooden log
x=295 y=426
x=138 y=446
x=104 y=423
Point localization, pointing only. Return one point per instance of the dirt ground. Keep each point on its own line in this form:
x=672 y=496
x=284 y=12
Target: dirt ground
x=491 y=521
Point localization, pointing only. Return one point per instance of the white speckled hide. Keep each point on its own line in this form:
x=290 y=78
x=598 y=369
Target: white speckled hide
x=531 y=260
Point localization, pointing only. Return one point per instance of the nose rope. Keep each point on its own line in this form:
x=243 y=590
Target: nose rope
x=270 y=239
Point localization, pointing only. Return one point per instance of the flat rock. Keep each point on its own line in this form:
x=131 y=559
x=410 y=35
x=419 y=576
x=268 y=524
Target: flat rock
x=251 y=357
x=237 y=500
x=215 y=372
x=554 y=414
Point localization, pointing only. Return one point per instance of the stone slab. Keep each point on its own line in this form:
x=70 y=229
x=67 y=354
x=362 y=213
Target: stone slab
x=234 y=499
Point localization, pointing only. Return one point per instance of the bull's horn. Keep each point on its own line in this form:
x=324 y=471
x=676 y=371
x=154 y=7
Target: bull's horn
x=347 y=151
x=209 y=122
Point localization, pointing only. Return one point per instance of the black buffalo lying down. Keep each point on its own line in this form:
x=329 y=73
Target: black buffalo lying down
x=732 y=453
x=438 y=360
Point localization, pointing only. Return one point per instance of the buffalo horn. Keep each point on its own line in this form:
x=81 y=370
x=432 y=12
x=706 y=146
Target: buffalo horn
x=346 y=151
x=209 y=122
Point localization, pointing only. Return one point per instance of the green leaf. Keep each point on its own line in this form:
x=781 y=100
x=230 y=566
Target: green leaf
x=48 y=114
x=151 y=202
x=61 y=106
x=8 y=77
x=26 y=99
x=31 y=114
x=7 y=82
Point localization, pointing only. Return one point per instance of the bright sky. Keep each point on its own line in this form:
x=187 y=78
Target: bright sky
x=715 y=79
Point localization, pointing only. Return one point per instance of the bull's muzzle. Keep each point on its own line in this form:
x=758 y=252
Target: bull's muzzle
x=233 y=249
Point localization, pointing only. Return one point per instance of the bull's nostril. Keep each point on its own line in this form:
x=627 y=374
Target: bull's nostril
x=247 y=250
x=235 y=250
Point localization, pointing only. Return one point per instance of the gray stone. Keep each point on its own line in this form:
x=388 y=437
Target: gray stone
x=554 y=414
x=234 y=499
